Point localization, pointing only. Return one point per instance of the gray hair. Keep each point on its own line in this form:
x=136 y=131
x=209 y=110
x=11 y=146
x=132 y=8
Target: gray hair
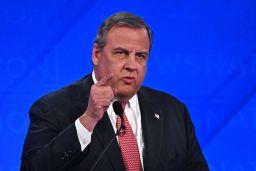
x=121 y=19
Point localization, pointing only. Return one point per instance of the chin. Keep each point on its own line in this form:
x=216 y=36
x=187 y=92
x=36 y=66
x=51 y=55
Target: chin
x=126 y=94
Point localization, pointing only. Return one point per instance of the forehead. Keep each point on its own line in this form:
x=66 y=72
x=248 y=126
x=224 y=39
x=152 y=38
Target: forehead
x=127 y=36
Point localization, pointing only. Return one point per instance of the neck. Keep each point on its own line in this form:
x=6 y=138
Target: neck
x=123 y=99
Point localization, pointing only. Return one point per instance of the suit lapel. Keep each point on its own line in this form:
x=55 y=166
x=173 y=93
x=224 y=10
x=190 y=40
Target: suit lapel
x=105 y=133
x=103 y=129
x=152 y=126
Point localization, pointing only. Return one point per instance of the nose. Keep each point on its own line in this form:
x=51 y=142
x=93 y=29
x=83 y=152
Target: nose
x=131 y=63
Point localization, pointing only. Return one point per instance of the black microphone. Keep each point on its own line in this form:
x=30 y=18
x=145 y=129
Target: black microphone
x=118 y=109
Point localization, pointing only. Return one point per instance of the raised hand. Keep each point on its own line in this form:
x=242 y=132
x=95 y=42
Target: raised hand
x=101 y=96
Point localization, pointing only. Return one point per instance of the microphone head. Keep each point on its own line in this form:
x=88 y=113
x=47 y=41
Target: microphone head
x=118 y=109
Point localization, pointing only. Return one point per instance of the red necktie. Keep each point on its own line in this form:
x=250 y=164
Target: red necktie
x=129 y=146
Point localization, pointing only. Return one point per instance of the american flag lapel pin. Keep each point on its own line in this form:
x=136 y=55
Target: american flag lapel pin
x=156 y=115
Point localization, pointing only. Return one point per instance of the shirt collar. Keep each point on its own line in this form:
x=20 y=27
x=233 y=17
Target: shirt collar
x=94 y=78
x=132 y=102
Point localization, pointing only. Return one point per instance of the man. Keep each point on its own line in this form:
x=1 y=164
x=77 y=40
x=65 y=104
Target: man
x=70 y=128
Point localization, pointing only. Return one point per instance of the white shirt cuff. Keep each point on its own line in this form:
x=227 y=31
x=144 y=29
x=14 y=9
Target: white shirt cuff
x=84 y=136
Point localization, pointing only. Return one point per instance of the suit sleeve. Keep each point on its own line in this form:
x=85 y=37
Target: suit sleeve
x=195 y=158
x=47 y=146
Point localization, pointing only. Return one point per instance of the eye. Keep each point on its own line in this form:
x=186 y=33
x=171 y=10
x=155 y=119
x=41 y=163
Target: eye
x=120 y=52
x=141 y=56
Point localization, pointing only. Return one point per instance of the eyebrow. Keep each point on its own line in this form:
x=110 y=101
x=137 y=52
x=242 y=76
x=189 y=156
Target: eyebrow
x=142 y=53
x=125 y=50
x=119 y=48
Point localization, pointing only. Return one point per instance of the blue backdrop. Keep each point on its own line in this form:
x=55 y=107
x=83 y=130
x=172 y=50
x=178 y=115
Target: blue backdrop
x=204 y=53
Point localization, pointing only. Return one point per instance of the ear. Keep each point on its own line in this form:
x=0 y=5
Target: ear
x=96 y=54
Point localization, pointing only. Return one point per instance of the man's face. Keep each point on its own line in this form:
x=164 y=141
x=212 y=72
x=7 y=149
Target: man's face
x=125 y=55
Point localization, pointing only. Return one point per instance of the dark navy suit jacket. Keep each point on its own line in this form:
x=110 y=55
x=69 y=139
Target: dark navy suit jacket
x=52 y=144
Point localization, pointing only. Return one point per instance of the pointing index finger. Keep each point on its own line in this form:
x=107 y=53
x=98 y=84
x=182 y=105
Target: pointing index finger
x=105 y=80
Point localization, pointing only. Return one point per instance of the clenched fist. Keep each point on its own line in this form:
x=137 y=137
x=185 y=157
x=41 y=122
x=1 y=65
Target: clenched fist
x=101 y=95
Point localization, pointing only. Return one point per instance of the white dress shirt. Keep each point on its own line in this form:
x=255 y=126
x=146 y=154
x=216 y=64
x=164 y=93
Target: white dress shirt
x=132 y=112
